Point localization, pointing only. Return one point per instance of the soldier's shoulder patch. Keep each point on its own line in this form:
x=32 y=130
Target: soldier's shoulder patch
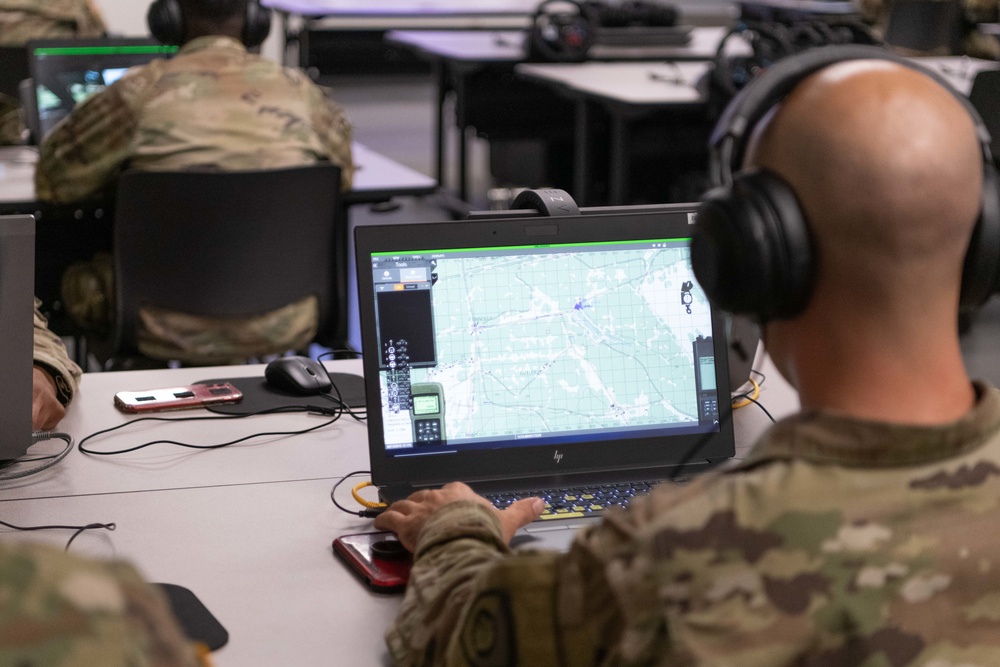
x=488 y=638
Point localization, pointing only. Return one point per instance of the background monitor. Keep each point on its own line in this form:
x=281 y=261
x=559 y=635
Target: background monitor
x=67 y=72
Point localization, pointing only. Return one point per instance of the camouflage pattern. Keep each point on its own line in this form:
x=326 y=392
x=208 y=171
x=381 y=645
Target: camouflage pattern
x=21 y=20
x=50 y=354
x=837 y=542
x=975 y=44
x=60 y=611
x=10 y=121
x=212 y=106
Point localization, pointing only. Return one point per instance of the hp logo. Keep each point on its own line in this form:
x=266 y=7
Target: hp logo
x=557 y=457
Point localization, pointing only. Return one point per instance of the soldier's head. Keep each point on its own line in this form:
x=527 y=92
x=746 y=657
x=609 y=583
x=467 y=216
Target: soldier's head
x=857 y=188
x=213 y=17
x=180 y=21
x=888 y=172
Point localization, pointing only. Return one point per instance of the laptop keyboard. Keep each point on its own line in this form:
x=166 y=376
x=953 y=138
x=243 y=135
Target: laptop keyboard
x=577 y=501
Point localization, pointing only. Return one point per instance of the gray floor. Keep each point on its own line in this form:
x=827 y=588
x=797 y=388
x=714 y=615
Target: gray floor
x=396 y=116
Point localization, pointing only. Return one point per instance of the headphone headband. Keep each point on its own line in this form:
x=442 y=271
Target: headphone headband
x=731 y=136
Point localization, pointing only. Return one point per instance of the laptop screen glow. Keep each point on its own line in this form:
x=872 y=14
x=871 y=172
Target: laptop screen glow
x=528 y=345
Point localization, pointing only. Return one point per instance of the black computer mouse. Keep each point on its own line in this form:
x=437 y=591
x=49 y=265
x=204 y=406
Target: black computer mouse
x=297 y=375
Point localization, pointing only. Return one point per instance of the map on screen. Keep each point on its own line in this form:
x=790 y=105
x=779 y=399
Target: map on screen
x=526 y=342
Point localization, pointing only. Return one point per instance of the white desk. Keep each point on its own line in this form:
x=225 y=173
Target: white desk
x=631 y=90
x=247 y=528
x=377 y=177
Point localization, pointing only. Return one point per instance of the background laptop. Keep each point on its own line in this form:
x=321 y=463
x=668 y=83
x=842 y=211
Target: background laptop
x=543 y=353
x=65 y=72
x=17 y=278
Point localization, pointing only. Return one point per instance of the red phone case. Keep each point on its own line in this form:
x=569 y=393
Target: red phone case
x=177 y=398
x=383 y=575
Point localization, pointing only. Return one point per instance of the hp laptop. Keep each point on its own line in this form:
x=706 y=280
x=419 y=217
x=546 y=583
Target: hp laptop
x=65 y=72
x=17 y=279
x=541 y=354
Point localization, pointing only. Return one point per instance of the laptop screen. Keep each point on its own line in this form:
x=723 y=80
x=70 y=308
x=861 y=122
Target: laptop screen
x=551 y=344
x=67 y=72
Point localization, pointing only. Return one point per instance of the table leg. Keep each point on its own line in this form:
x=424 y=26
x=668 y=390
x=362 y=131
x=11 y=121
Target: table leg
x=619 y=163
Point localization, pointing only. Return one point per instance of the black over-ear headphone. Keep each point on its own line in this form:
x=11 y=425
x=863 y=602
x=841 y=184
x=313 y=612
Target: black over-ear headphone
x=166 y=22
x=561 y=31
x=751 y=250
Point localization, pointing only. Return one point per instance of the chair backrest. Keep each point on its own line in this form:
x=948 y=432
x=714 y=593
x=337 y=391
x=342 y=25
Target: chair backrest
x=225 y=243
x=925 y=25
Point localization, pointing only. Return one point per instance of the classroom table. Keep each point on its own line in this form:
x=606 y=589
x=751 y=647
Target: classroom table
x=247 y=528
x=377 y=178
x=634 y=92
x=476 y=67
x=349 y=18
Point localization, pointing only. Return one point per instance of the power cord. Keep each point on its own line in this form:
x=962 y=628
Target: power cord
x=38 y=436
x=306 y=408
x=78 y=529
x=357 y=415
x=372 y=509
x=746 y=398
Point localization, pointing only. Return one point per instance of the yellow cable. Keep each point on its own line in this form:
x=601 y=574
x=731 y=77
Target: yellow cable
x=753 y=395
x=361 y=501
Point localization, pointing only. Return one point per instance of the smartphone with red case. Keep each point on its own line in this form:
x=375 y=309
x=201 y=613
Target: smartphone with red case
x=177 y=398
x=378 y=558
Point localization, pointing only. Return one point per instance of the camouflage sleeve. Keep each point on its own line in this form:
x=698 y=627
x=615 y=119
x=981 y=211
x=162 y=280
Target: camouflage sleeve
x=471 y=602
x=59 y=610
x=50 y=354
x=86 y=151
x=90 y=23
x=329 y=121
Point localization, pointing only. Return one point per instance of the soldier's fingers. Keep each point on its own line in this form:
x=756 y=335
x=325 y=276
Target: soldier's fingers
x=519 y=514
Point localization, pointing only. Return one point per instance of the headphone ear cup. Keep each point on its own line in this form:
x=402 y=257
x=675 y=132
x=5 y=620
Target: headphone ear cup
x=751 y=250
x=981 y=270
x=166 y=21
x=256 y=24
x=557 y=35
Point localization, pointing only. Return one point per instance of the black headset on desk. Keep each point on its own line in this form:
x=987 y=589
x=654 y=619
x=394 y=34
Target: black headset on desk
x=166 y=22
x=564 y=30
x=752 y=251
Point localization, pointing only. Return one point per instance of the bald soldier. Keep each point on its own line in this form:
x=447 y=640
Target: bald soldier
x=212 y=106
x=861 y=530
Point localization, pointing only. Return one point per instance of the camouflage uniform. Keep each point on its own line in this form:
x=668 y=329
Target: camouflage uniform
x=975 y=44
x=213 y=106
x=60 y=611
x=837 y=542
x=50 y=354
x=21 y=20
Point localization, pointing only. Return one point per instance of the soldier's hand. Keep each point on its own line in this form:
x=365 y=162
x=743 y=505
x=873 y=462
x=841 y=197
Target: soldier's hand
x=46 y=410
x=407 y=517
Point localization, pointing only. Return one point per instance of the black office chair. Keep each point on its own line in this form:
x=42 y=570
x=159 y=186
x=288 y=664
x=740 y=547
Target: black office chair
x=226 y=244
x=925 y=26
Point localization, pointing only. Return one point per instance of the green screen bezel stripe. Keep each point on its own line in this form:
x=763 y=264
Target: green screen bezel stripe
x=101 y=50
x=590 y=244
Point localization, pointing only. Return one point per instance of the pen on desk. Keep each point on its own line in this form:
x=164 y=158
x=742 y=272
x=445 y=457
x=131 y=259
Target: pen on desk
x=677 y=78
